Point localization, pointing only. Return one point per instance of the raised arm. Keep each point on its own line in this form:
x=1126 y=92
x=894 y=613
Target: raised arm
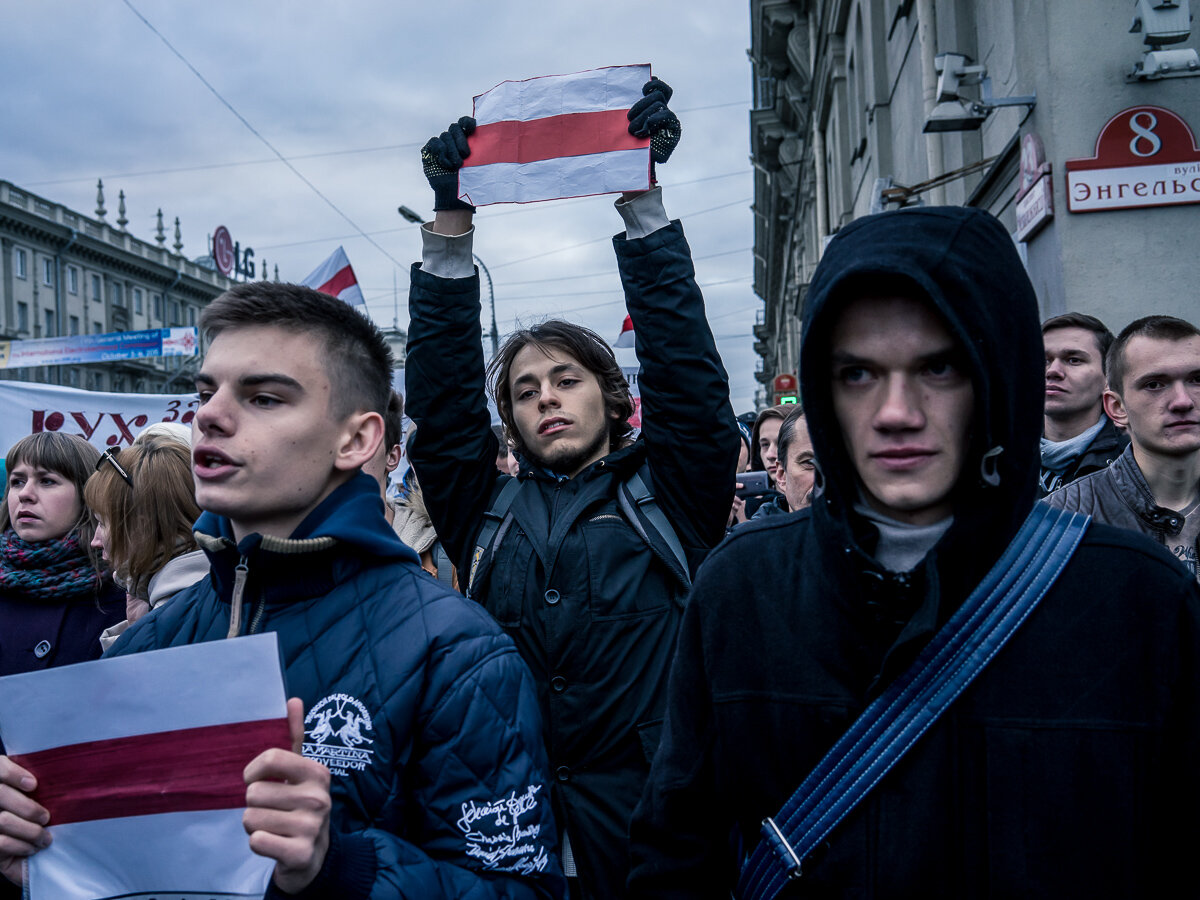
x=454 y=450
x=688 y=424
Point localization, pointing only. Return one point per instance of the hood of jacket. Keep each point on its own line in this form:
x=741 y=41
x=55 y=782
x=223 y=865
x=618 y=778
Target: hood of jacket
x=347 y=525
x=963 y=262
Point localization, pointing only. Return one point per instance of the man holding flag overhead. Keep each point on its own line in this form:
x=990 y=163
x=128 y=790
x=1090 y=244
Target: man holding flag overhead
x=585 y=557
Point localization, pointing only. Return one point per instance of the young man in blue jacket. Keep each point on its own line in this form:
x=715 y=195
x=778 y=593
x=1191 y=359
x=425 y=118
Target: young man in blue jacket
x=401 y=678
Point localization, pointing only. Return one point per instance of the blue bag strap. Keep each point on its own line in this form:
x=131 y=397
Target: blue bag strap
x=898 y=717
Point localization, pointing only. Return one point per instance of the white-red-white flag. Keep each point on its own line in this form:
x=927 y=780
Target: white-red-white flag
x=336 y=278
x=625 y=338
x=144 y=786
x=557 y=136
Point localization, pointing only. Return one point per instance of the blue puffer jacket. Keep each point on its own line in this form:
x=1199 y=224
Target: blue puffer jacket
x=414 y=699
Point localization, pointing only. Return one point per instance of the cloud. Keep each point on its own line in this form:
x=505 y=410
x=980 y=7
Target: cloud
x=92 y=92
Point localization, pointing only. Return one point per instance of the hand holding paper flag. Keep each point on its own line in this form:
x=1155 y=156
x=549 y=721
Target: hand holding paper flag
x=556 y=136
x=144 y=787
x=336 y=278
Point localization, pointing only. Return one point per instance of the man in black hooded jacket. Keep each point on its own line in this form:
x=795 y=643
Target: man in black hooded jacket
x=1067 y=767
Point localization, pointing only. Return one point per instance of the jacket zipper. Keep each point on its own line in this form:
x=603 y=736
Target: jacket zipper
x=239 y=586
x=258 y=614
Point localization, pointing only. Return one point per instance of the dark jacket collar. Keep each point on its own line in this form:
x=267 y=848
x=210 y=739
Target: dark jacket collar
x=1127 y=478
x=344 y=532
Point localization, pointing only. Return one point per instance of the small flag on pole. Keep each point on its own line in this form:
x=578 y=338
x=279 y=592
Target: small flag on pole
x=336 y=278
x=556 y=136
x=625 y=338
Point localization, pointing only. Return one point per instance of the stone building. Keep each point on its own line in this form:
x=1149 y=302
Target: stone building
x=64 y=273
x=843 y=92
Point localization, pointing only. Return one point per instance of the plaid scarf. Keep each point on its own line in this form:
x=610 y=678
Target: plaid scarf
x=50 y=571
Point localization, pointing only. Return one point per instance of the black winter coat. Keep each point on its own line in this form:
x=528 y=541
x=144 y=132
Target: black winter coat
x=593 y=609
x=38 y=634
x=1065 y=770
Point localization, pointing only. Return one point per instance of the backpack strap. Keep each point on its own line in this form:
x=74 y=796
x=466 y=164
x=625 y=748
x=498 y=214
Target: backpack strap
x=445 y=568
x=898 y=717
x=634 y=495
x=495 y=524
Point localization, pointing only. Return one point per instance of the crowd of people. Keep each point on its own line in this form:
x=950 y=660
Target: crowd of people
x=641 y=645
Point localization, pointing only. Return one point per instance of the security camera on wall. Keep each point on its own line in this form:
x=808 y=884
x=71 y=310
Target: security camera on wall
x=1163 y=22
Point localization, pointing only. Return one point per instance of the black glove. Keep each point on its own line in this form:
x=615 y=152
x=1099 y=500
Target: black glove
x=649 y=117
x=442 y=157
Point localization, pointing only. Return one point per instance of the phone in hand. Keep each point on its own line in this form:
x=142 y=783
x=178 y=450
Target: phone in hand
x=752 y=484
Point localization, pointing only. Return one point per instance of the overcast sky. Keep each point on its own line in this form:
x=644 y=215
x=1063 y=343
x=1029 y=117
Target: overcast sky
x=348 y=93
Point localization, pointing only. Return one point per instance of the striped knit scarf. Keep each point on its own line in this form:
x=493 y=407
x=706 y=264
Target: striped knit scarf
x=49 y=571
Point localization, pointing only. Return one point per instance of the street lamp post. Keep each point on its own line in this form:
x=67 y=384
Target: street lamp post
x=411 y=215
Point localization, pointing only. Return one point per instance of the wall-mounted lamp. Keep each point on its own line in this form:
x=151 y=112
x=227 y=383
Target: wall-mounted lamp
x=1163 y=22
x=956 y=113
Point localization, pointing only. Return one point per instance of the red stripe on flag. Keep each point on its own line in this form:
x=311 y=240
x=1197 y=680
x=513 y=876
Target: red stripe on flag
x=164 y=772
x=573 y=134
x=339 y=282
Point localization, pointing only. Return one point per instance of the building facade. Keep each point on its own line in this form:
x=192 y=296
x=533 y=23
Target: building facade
x=843 y=90
x=64 y=273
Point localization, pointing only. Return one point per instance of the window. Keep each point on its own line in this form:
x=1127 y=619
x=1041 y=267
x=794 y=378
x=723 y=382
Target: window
x=20 y=261
x=137 y=300
x=158 y=306
x=73 y=325
x=173 y=310
x=97 y=288
x=97 y=328
x=49 y=320
x=118 y=295
x=22 y=317
x=47 y=270
x=191 y=315
x=118 y=382
x=72 y=280
x=73 y=378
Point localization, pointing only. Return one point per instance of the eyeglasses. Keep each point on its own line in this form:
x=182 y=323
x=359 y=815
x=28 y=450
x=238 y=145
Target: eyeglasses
x=110 y=456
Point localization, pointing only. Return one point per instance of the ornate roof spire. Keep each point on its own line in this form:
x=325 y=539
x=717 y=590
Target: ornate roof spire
x=100 y=210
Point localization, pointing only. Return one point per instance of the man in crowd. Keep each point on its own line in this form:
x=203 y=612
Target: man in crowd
x=292 y=395
x=1154 y=392
x=1065 y=767
x=573 y=560
x=1077 y=438
x=797 y=469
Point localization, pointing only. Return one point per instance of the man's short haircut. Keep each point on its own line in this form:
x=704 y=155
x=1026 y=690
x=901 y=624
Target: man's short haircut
x=393 y=422
x=771 y=412
x=1159 y=328
x=1104 y=337
x=588 y=349
x=358 y=359
x=788 y=429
